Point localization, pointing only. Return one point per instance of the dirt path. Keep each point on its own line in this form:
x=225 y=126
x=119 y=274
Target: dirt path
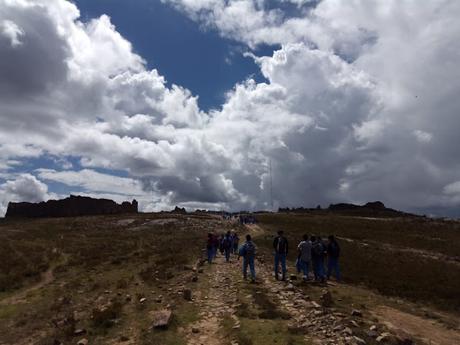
x=428 y=331
x=21 y=296
x=322 y=325
x=223 y=297
x=218 y=301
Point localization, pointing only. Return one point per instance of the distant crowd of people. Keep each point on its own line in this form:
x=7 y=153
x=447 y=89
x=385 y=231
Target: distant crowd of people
x=312 y=254
x=241 y=219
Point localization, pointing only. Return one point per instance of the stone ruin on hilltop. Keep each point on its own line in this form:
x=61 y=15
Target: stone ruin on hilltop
x=69 y=207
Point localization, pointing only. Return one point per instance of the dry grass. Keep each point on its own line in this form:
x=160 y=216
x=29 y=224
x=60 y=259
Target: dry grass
x=97 y=260
x=378 y=257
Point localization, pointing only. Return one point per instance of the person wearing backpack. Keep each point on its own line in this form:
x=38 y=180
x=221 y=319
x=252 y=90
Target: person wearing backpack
x=317 y=256
x=227 y=245
x=236 y=241
x=210 y=248
x=248 y=252
x=304 y=259
x=333 y=253
x=215 y=245
x=221 y=244
x=280 y=245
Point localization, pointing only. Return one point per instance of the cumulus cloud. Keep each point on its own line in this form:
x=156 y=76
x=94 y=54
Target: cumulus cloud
x=93 y=181
x=24 y=187
x=13 y=32
x=359 y=103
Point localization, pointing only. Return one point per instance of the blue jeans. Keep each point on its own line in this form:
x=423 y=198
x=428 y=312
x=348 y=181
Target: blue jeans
x=227 y=254
x=303 y=266
x=280 y=258
x=333 y=265
x=249 y=261
x=214 y=252
x=318 y=268
x=210 y=253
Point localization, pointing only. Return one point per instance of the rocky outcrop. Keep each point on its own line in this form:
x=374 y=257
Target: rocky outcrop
x=370 y=209
x=179 y=210
x=375 y=208
x=69 y=207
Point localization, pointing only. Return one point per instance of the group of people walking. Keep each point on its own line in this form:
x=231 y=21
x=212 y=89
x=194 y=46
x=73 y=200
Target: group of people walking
x=312 y=254
x=226 y=243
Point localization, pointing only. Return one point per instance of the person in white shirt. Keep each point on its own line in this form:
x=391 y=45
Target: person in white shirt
x=304 y=258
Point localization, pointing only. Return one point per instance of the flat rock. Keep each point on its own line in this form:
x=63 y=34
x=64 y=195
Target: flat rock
x=359 y=341
x=356 y=312
x=384 y=337
x=326 y=298
x=161 y=318
x=79 y=332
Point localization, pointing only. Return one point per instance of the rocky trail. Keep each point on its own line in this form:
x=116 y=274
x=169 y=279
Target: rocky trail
x=316 y=321
x=301 y=314
x=219 y=300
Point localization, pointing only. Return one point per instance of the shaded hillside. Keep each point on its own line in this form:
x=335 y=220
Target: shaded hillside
x=370 y=209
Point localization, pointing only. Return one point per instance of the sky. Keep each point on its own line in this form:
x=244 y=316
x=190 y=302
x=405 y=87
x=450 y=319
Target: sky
x=231 y=104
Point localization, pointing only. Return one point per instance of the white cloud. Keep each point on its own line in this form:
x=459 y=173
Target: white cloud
x=423 y=137
x=11 y=31
x=93 y=181
x=24 y=187
x=353 y=91
x=452 y=188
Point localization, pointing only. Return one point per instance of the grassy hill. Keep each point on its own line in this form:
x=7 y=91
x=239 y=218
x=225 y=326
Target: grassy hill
x=102 y=277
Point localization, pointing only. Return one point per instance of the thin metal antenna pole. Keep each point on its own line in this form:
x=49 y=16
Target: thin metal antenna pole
x=271 y=186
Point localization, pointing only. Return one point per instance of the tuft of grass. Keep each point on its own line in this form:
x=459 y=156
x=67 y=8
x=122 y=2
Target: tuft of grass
x=254 y=332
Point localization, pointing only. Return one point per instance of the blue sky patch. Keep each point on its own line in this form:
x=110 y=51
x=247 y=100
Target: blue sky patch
x=187 y=55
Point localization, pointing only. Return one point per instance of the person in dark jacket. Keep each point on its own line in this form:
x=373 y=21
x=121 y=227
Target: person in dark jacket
x=227 y=244
x=210 y=248
x=248 y=252
x=333 y=253
x=318 y=251
x=280 y=245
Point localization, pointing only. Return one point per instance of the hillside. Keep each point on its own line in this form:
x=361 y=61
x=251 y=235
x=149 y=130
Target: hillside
x=104 y=278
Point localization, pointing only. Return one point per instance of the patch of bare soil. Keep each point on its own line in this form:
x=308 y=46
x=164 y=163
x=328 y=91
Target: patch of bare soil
x=125 y=222
x=255 y=230
x=429 y=331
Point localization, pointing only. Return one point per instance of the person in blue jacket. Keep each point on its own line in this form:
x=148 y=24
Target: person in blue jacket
x=248 y=252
